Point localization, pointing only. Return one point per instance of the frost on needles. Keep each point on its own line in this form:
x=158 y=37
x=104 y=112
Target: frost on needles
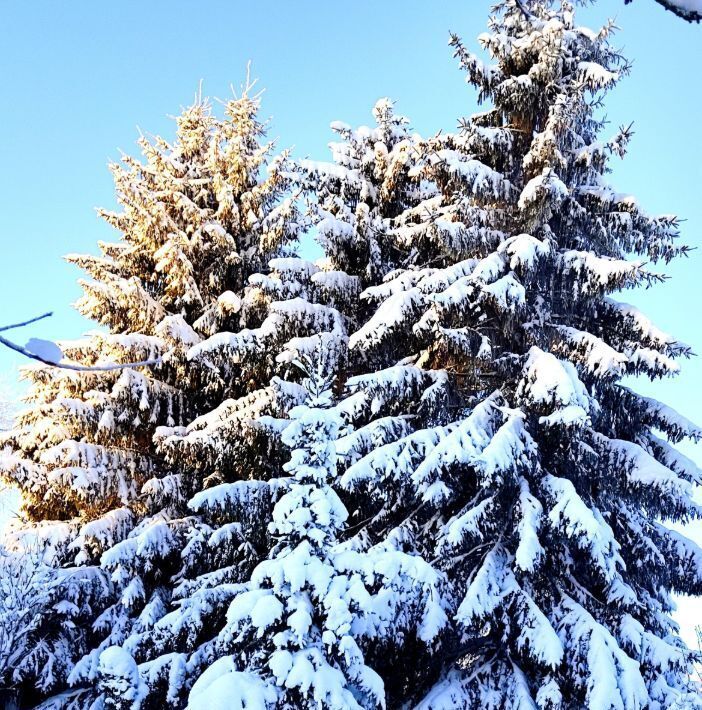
x=459 y=504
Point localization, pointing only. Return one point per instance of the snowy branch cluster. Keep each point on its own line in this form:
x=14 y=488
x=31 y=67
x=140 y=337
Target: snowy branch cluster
x=407 y=474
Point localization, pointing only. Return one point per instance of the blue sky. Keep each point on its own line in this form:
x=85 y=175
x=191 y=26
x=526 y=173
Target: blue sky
x=79 y=77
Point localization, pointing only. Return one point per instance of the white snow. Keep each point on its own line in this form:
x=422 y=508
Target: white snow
x=222 y=687
x=45 y=349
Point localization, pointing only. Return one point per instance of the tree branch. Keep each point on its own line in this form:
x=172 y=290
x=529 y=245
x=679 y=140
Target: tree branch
x=66 y=365
x=27 y=322
x=677 y=8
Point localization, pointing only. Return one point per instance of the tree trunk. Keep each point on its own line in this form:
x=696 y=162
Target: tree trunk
x=9 y=699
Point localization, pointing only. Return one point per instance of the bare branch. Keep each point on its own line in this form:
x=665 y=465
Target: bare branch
x=27 y=322
x=67 y=365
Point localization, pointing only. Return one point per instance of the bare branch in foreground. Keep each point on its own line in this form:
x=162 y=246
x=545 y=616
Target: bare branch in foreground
x=59 y=363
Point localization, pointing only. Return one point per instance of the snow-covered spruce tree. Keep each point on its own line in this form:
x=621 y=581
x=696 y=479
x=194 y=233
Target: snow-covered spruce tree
x=237 y=448
x=543 y=490
x=26 y=595
x=377 y=214
x=198 y=217
x=296 y=629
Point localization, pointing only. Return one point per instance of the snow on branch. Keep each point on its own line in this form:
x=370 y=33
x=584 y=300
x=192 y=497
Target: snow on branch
x=49 y=353
x=690 y=10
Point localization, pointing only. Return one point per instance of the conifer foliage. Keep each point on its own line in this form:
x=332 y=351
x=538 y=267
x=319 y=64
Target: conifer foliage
x=407 y=474
x=294 y=622
x=544 y=490
x=197 y=218
x=298 y=627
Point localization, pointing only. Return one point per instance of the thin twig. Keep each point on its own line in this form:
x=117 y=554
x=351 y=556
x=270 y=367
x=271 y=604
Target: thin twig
x=27 y=322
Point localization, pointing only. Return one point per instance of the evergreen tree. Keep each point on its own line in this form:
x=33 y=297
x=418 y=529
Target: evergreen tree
x=297 y=627
x=198 y=218
x=539 y=484
x=476 y=512
x=238 y=448
x=26 y=596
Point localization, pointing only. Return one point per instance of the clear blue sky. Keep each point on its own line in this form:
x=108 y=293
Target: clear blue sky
x=78 y=77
